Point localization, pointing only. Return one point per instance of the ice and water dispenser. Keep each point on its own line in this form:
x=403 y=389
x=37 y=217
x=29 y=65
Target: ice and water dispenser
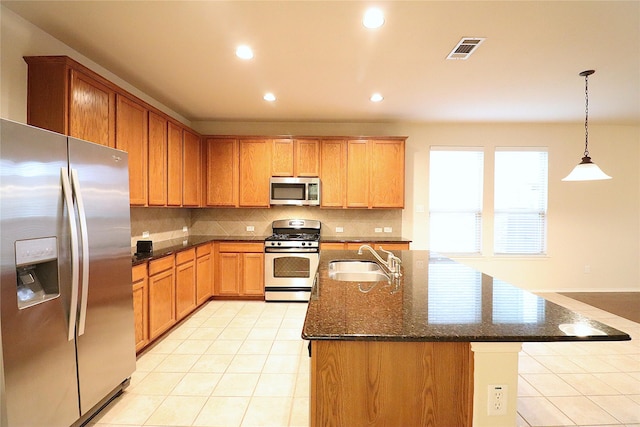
x=37 y=270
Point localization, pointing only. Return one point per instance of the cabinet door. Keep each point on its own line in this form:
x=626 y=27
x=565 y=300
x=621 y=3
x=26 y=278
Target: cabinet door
x=174 y=165
x=255 y=171
x=131 y=136
x=307 y=157
x=282 y=161
x=228 y=274
x=185 y=288
x=162 y=308
x=222 y=172
x=392 y=246
x=357 y=174
x=191 y=169
x=204 y=278
x=331 y=246
x=253 y=274
x=387 y=174
x=157 y=160
x=92 y=110
x=140 y=305
x=333 y=154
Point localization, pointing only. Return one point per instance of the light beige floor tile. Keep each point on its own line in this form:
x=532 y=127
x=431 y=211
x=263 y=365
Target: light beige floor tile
x=582 y=410
x=130 y=409
x=255 y=347
x=520 y=422
x=148 y=361
x=559 y=364
x=550 y=385
x=177 y=363
x=594 y=364
x=299 y=412
x=242 y=322
x=275 y=385
x=217 y=322
x=269 y=321
x=182 y=332
x=222 y=412
x=286 y=347
x=525 y=389
x=538 y=411
x=212 y=363
x=623 y=383
x=262 y=334
x=234 y=333
x=158 y=383
x=209 y=333
x=196 y=384
x=193 y=322
x=289 y=334
x=292 y=323
x=165 y=346
x=247 y=363
x=268 y=411
x=530 y=365
x=221 y=346
x=588 y=384
x=177 y=411
x=537 y=348
x=302 y=386
x=623 y=362
x=190 y=346
x=279 y=363
x=622 y=408
x=232 y=384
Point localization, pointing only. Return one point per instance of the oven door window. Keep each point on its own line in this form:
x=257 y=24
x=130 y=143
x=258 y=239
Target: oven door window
x=291 y=266
x=288 y=192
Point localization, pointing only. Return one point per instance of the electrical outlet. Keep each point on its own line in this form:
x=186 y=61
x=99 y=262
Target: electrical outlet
x=388 y=229
x=339 y=230
x=497 y=400
x=251 y=228
x=145 y=234
x=378 y=230
x=185 y=229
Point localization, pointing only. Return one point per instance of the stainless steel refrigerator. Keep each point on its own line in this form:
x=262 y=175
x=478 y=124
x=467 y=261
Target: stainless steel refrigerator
x=66 y=307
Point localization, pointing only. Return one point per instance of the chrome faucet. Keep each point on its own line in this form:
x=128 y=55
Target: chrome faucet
x=392 y=263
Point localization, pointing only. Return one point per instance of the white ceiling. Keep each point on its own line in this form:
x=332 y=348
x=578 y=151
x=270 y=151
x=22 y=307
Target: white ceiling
x=323 y=65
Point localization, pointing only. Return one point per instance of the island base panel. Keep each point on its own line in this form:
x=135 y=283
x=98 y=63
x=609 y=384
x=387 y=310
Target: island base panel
x=384 y=383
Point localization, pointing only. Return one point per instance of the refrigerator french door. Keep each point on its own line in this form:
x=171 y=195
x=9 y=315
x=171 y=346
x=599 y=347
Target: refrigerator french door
x=66 y=309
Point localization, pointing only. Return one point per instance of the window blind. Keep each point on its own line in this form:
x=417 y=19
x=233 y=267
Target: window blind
x=520 y=201
x=455 y=199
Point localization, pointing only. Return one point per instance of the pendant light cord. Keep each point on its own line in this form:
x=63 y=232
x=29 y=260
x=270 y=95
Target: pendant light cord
x=586 y=115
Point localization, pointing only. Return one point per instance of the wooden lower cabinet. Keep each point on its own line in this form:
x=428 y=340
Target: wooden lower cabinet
x=140 y=305
x=383 y=383
x=185 y=283
x=239 y=270
x=162 y=296
x=204 y=273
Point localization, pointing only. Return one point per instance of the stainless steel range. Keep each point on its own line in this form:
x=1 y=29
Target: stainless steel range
x=291 y=259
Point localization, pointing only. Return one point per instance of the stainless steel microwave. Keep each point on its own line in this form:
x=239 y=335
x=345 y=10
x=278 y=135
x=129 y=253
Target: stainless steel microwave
x=295 y=191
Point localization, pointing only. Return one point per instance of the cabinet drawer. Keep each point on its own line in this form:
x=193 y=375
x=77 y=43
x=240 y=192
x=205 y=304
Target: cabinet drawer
x=241 y=247
x=203 y=250
x=138 y=272
x=185 y=256
x=158 y=265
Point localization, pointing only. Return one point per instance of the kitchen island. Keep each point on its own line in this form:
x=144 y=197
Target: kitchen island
x=425 y=350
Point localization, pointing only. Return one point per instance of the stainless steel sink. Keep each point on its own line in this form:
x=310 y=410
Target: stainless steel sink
x=356 y=271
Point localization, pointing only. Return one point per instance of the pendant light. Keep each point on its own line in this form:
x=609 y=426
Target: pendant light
x=586 y=170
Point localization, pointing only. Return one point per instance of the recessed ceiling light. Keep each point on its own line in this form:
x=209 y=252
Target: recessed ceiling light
x=269 y=97
x=373 y=18
x=376 y=97
x=244 y=52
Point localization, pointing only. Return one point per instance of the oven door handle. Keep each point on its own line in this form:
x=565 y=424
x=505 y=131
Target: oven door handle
x=290 y=250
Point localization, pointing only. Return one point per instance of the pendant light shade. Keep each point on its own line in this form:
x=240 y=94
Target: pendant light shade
x=586 y=169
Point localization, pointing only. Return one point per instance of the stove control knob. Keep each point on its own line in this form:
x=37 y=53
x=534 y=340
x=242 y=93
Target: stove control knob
x=279 y=243
x=303 y=243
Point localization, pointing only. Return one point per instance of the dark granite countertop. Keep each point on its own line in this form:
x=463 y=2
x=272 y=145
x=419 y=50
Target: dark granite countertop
x=438 y=299
x=364 y=239
x=168 y=247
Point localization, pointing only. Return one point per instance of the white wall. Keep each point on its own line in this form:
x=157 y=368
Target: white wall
x=595 y=224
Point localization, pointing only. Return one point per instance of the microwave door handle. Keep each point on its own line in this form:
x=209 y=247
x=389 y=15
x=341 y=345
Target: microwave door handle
x=68 y=199
x=84 y=297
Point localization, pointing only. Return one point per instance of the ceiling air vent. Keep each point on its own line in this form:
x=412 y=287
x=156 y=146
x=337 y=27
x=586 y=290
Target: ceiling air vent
x=465 y=47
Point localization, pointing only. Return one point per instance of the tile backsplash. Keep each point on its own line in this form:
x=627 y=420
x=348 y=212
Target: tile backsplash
x=167 y=223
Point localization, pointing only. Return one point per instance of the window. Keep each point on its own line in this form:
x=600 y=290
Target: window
x=520 y=201
x=455 y=199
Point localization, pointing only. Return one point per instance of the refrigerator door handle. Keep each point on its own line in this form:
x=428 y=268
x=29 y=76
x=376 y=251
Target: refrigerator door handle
x=84 y=238
x=73 y=306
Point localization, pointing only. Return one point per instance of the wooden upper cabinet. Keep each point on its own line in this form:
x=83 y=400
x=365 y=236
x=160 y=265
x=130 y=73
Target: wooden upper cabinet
x=333 y=156
x=174 y=165
x=157 y=160
x=387 y=173
x=191 y=170
x=131 y=136
x=255 y=171
x=282 y=160
x=357 y=174
x=222 y=176
x=65 y=97
x=307 y=157
x=91 y=110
